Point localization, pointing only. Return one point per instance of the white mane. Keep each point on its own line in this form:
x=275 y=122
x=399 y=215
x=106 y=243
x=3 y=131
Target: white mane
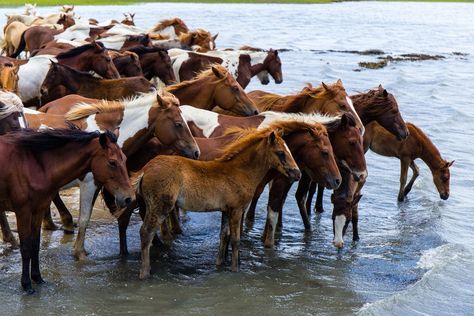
x=271 y=117
x=11 y=104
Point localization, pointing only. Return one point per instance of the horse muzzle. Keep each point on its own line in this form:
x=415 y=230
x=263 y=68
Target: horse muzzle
x=44 y=92
x=123 y=200
x=294 y=174
x=444 y=195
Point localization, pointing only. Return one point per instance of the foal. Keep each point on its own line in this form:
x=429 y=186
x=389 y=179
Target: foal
x=416 y=145
x=226 y=184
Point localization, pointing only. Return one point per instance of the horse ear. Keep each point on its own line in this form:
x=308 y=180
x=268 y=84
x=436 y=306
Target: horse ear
x=357 y=199
x=53 y=63
x=97 y=46
x=132 y=15
x=117 y=132
x=325 y=87
x=339 y=82
x=215 y=36
x=344 y=120
x=103 y=140
x=385 y=93
x=217 y=73
x=449 y=164
x=275 y=52
x=272 y=137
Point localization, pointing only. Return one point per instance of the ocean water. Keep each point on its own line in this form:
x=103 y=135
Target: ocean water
x=414 y=258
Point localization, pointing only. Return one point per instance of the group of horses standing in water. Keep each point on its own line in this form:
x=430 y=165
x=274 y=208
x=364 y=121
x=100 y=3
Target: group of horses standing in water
x=196 y=142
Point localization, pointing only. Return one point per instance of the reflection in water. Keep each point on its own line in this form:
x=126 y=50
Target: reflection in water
x=304 y=274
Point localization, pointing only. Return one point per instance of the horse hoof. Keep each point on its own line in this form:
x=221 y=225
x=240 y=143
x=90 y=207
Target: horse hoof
x=38 y=280
x=401 y=198
x=80 y=256
x=144 y=275
x=50 y=227
x=355 y=238
x=68 y=230
x=319 y=210
x=30 y=291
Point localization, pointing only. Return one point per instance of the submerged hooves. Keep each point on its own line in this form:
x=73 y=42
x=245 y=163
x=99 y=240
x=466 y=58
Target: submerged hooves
x=50 y=226
x=318 y=209
x=30 y=291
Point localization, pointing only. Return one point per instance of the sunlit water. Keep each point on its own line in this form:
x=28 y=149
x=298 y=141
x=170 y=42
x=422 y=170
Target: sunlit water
x=413 y=257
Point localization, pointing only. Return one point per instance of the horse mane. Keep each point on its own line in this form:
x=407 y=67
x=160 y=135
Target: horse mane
x=374 y=101
x=333 y=126
x=79 y=50
x=83 y=109
x=140 y=50
x=49 y=139
x=202 y=75
x=9 y=103
x=252 y=49
x=186 y=38
x=85 y=74
x=169 y=22
x=292 y=101
x=248 y=138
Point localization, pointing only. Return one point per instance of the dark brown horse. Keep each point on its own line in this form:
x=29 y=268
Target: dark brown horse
x=87 y=85
x=37 y=164
x=155 y=62
x=127 y=63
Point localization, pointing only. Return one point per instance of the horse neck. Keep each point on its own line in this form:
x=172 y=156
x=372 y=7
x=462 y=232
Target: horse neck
x=253 y=160
x=197 y=95
x=77 y=61
x=361 y=106
x=429 y=153
x=67 y=80
x=257 y=68
x=295 y=104
x=68 y=162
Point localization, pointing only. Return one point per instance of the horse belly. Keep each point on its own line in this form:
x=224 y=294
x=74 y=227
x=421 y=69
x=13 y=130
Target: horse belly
x=198 y=202
x=31 y=76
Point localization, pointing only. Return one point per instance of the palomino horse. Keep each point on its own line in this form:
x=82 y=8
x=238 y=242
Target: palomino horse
x=416 y=145
x=85 y=84
x=214 y=87
x=327 y=99
x=243 y=65
x=36 y=165
x=35 y=37
x=12 y=37
x=155 y=62
x=9 y=77
x=139 y=119
x=171 y=180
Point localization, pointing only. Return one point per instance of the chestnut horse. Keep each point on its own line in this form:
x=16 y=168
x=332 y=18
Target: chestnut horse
x=214 y=87
x=9 y=77
x=85 y=84
x=155 y=62
x=416 y=145
x=36 y=165
x=171 y=180
x=199 y=40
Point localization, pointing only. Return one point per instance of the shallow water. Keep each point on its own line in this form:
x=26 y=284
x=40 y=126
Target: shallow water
x=413 y=257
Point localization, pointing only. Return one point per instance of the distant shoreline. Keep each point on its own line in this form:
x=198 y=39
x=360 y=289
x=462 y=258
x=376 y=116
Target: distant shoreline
x=14 y=3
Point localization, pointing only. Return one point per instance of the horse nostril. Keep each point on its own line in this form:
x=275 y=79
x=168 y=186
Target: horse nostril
x=196 y=154
x=255 y=112
x=128 y=201
x=337 y=182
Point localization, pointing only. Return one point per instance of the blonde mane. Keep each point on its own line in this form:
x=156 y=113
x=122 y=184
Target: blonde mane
x=203 y=75
x=82 y=110
x=11 y=103
x=160 y=26
x=186 y=38
x=248 y=138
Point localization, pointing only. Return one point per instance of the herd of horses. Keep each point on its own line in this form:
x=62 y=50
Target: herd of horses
x=158 y=120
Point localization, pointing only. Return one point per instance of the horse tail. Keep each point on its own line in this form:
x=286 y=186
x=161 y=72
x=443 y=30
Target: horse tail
x=137 y=182
x=21 y=47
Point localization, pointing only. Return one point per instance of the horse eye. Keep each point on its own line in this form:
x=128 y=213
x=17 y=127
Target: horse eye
x=325 y=153
x=236 y=89
x=281 y=155
x=113 y=163
x=353 y=143
x=178 y=124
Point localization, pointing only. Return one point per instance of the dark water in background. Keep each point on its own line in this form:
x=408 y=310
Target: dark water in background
x=413 y=257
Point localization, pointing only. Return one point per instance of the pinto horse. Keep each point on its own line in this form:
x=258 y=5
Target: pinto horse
x=37 y=164
x=155 y=62
x=214 y=87
x=139 y=119
x=416 y=145
x=171 y=180
x=243 y=65
x=85 y=84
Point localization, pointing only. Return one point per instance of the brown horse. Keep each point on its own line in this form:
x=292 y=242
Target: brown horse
x=127 y=63
x=9 y=77
x=214 y=87
x=155 y=62
x=85 y=84
x=174 y=26
x=326 y=99
x=170 y=180
x=416 y=145
x=37 y=164
x=374 y=105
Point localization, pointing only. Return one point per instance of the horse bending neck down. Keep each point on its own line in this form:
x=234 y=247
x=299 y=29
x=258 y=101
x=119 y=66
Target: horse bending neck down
x=87 y=85
x=155 y=62
x=37 y=164
x=214 y=87
x=244 y=162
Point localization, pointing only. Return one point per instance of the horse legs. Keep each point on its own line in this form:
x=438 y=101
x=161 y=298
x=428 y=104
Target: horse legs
x=48 y=223
x=416 y=173
x=404 y=163
x=250 y=217
x=35 y=244
x=174 y=222
x=224 y=237
x=66 y=217
x=355 y=222
x=142 y=211
x=301 y=194
x=165 y=229
x=318 y=207
x=24 y=223
x=276 y=198
x=6 y=231
x=123 y=221
x=235 y=221
x=148 y=230
x=89 y=192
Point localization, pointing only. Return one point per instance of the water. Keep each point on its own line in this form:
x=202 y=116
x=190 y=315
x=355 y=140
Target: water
x=413 y=257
